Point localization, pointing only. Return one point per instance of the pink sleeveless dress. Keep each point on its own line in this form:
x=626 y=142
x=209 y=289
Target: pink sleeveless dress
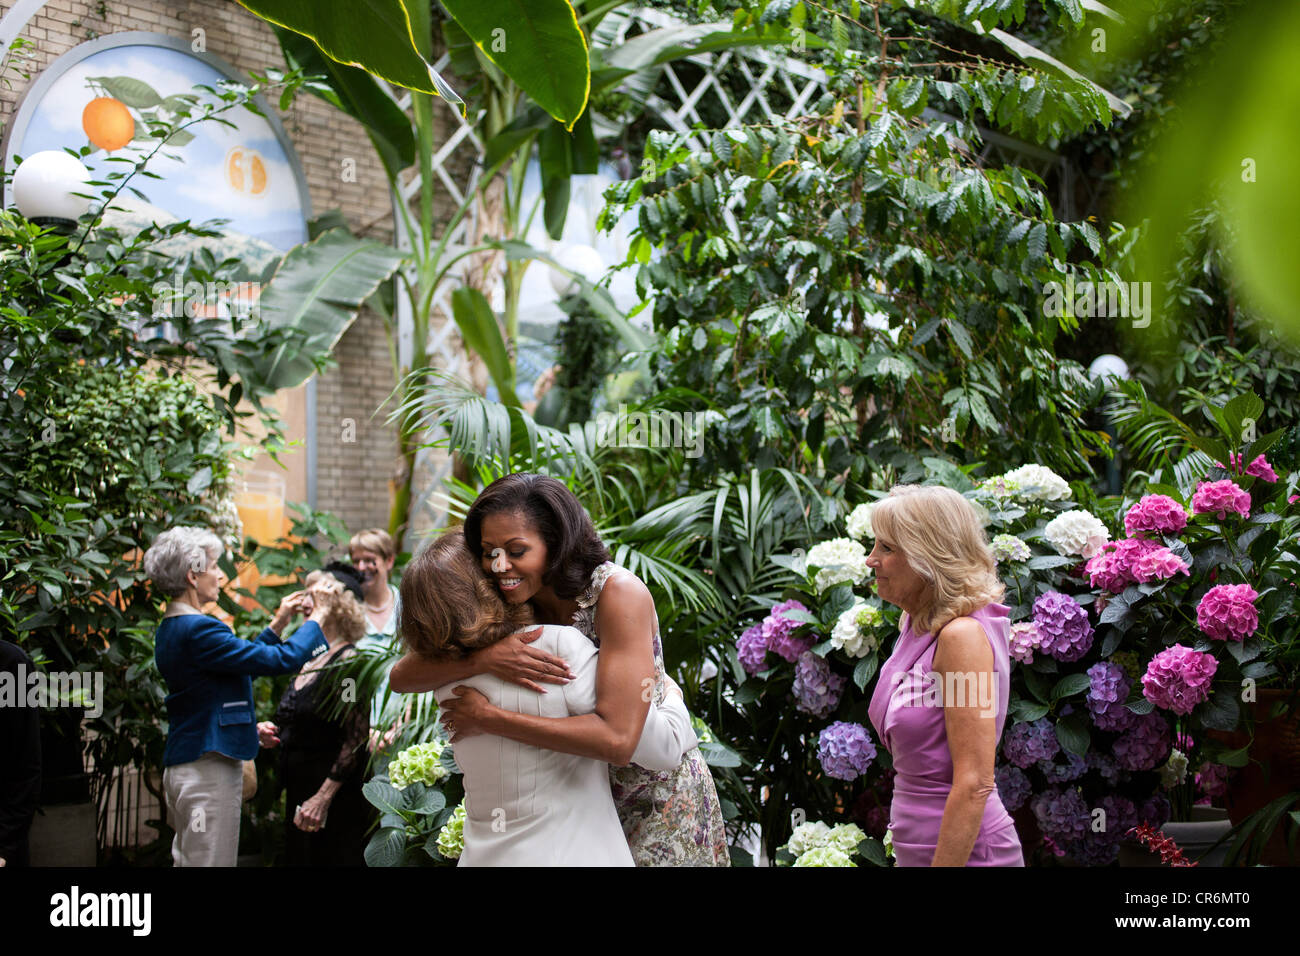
x=908 y=718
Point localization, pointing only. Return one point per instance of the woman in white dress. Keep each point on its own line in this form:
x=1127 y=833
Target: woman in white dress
x=524 y=805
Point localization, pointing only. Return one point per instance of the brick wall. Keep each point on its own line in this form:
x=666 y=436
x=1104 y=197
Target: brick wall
x=353 y=476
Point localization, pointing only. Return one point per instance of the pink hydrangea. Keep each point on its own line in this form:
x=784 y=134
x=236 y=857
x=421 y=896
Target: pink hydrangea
x=1227 y=612
x=1259 y=468
x=1132 y=561
x=1107 y=570
x=778 y=632
x=1155 y=514
x=1157 y=565
x=1220 y=497
x=1178 y=678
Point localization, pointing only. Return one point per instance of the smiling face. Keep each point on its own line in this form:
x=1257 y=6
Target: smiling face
x=896 y=580
x=371 y=565
x=520 y=559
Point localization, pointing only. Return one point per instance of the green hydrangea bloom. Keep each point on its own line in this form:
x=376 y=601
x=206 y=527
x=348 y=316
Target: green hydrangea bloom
x=869 y=616
x=824 y=856
x=422 y=763
x=451 y=838
x=846 y=837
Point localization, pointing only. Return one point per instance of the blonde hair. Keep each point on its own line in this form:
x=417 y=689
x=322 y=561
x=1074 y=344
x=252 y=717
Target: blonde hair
x=343 y=615
x=940 y=534
x=376 y=540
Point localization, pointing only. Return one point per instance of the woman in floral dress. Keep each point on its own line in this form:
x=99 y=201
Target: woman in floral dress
x=538 y=544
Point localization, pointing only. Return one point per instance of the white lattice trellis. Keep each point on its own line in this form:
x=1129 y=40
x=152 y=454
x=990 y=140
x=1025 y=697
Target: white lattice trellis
x=767 y=74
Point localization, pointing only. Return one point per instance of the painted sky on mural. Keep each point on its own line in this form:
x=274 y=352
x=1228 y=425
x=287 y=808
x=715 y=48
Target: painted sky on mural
x=217 y=163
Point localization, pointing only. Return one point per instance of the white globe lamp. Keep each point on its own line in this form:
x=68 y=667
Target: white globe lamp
x=1108 y=366
x=582 y=259
x=44 y=185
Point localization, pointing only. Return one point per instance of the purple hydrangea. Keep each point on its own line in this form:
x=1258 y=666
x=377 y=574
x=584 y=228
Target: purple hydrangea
x=816 y=689
x=1066 y=633
x=778 y=632
x=1212 y=780
x=1156 y=811
x=1061 y=814
x=1025 y=744
x=1014 y=787
x=1073 y=768
x=751 y=648
x=1105 y=766
x=1094 y=849
x=1121 y=815
x=1107 y=693
x=1101 y=847
x=1145 y=744
x=845 y=750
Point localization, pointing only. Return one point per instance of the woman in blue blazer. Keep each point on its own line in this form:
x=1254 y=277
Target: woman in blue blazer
x=209 y=672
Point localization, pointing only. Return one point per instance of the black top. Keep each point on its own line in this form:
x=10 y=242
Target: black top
x=306 y=731
x=20 y=759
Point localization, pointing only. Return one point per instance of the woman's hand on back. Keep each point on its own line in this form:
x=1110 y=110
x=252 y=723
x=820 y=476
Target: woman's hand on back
x=463 y=714
x=513 y=659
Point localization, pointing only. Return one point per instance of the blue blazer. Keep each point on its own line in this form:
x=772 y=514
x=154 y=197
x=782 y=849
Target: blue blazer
x=209 y=672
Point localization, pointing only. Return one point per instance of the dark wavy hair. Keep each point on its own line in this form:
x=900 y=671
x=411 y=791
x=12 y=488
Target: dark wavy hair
x=449 y=607
x=573 y=549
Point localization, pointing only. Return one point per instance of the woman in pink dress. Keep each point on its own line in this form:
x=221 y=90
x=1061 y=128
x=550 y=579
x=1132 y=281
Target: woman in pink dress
x=941 y=699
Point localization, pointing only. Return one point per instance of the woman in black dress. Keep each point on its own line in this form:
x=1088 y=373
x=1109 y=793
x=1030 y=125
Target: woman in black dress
x=323 y=750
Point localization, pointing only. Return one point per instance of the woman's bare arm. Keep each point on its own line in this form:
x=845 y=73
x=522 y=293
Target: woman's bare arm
x=624 y=688
x=972 y=738
x=512 y=659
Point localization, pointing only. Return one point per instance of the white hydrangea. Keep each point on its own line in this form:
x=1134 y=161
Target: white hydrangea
x=845 y=837
x=859 y=522
x=852 y=633
x=806 y=836
x=839 y=561
x=816 y=844
x=1038 y=483
x=1076 y=532
x=825 y=856
x=1173 y=773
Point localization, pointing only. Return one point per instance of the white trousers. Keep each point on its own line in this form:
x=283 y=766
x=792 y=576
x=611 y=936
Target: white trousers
x=203 y=802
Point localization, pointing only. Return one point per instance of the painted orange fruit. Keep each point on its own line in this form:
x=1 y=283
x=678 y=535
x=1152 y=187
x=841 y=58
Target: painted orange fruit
x=108 y=123
x=245 y=171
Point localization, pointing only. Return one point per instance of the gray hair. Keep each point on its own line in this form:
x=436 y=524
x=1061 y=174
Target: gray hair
x=176 y=552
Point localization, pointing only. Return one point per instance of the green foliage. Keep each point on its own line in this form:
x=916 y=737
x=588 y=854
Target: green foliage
x=114 y=431
x=841 y=313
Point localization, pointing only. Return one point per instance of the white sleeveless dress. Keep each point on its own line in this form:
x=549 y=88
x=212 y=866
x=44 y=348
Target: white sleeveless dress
x=526 y=806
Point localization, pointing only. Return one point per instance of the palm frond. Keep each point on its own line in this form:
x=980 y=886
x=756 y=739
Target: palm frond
x=1154 y=436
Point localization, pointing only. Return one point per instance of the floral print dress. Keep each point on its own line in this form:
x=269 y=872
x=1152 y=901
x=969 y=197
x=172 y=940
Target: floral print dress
x=670 y=818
